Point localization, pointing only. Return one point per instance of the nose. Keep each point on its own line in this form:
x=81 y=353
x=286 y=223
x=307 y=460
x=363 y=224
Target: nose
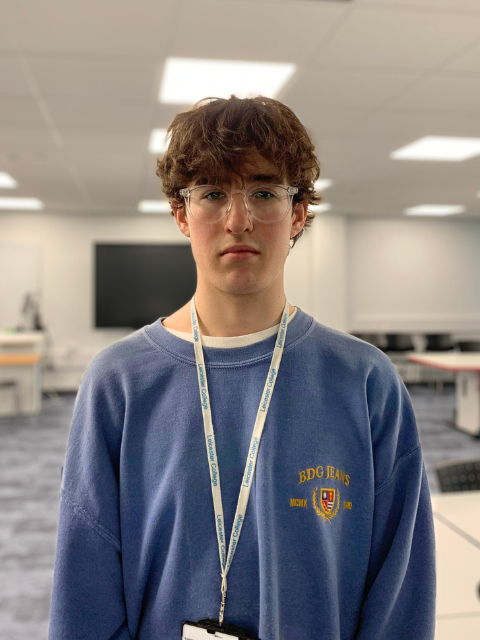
x=238 y=218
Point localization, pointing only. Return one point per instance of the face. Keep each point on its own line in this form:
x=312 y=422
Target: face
x=256 y=272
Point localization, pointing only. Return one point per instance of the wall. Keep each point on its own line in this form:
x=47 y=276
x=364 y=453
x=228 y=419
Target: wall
x=413 y=275
x=66 y=247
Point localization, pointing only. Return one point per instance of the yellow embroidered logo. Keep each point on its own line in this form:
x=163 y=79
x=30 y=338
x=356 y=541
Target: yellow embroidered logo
x=297 y=502
x=327 y=501
x=318 y=472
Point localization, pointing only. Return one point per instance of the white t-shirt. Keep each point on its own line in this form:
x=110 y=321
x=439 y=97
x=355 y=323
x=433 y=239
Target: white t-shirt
x=233 y=341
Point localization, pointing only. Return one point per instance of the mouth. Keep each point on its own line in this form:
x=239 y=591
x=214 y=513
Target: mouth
x=240 y=255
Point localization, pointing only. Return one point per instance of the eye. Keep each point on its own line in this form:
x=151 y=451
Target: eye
x=267 y=194
x=210 y=193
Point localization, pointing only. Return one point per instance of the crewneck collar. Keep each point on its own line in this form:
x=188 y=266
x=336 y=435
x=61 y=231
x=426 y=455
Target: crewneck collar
x=232 y=341
x=162 y=339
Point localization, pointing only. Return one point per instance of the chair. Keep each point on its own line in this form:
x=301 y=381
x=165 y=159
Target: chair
x=439 y=342
x=458 y=475
x=377 y=339
x=12 y=385
x=469 y=345
x=399 y=342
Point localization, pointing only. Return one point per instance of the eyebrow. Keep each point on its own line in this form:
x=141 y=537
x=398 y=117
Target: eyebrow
x=263 y=177
x=274 y=178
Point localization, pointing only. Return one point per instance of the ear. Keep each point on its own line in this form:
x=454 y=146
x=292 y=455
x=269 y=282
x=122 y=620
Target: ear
x=180 y=217
x=299 y=215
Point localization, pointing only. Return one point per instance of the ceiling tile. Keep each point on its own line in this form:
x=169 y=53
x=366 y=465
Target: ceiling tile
x=110 y=178
x=397 y=39
x=345 y=88
x=227 y=31
x=19 y=111
x=84 y=79
x=414 y=125
x=424 y=4
x=110 y=27
x=13 y=80
x=105 y=142
x=441 y=93
x=100 y=115
x=468 y=62
x=321 y=121
x=26 y=138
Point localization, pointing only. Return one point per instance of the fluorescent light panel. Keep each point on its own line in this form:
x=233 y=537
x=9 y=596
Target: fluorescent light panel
x=188 y=80
x=440 y=148
x=21 y=203
x=154 y=206
x=321 y=185
x=320 y=208
x=158 y=141
x=434 y=210
x=6 y=181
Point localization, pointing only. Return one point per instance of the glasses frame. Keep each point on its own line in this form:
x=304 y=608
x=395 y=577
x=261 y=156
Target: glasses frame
x=291 y=191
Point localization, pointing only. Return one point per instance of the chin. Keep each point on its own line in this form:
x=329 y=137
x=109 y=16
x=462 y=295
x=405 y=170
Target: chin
x=240 y=285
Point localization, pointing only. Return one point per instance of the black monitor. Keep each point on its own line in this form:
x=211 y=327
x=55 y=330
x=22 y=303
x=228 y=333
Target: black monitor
x=135 y=284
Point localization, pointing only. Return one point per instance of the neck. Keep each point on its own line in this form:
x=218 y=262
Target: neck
x=222 y=314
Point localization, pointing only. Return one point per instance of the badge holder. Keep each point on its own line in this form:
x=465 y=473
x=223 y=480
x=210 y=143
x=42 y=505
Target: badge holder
x=207 y=629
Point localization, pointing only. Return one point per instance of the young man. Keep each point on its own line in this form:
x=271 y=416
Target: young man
x=238 y=461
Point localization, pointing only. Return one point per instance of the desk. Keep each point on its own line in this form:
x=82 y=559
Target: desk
x=20 y=360
x=467 y=387
x=457 y=534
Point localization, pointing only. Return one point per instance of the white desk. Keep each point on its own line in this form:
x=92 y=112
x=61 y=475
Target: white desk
x=20 y=360
x=467 y=368
x=457 y=533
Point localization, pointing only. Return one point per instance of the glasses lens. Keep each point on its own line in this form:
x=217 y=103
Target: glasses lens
x=266 y=203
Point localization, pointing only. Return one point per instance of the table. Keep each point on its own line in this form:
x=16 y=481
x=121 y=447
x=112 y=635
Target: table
x=467 y=387
x=20 y=360
x=457 y=534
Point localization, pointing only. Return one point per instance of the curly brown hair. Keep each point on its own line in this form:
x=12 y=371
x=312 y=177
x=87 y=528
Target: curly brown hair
x=211 y=141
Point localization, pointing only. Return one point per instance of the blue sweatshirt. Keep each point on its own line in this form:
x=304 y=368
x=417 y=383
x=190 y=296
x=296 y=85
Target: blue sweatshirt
x=338 y=538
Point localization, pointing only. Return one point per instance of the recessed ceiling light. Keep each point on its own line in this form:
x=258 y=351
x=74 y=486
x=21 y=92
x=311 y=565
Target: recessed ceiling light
x=321 y=185
x=442 y=148
x=321 y=208
x=158 y=141
x=188 y=80
x=6 y=181
x=21 y=203
x=154 y=206
x=434 y=210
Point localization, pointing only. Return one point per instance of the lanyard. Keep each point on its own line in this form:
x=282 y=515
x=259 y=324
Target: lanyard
x=226 y=558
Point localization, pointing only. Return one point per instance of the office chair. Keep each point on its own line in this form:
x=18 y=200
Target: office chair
x=12 y=385
x=377 y=339
x=458 y=475
x=439 y=342
x=399 y=342
x=469 y=345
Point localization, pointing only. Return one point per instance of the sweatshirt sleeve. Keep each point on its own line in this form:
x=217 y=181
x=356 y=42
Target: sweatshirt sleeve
x=88 y=598
x=400 y=592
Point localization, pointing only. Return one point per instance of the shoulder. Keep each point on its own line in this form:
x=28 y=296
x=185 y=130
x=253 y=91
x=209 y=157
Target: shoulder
x=122 y=358
x=352 y=353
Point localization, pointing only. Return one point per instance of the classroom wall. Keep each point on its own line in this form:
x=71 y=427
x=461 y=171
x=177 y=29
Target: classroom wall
x=413 y=275
x=65 y=245
x=368 y=274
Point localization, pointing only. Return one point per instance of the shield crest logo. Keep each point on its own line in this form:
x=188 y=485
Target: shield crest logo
x=327 y=500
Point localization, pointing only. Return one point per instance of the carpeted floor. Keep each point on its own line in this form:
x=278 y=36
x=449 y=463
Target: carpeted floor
x=32 y=451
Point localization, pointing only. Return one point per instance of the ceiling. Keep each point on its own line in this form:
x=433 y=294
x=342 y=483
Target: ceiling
x=79 y=82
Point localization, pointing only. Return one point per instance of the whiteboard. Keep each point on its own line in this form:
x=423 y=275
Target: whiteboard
x=20 y=273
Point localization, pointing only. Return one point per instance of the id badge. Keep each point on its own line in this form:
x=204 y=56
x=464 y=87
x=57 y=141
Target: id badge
x=208 y=629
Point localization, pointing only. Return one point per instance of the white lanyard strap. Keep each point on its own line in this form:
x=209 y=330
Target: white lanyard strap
x=226 y=558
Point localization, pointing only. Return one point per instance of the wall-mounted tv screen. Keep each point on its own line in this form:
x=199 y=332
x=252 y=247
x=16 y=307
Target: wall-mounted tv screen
x=135 y=284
